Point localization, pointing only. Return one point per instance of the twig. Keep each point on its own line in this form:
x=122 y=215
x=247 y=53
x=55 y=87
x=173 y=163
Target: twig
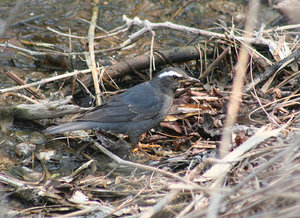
x=238 y=82
x=272 y=103
x=218 y=171
x=91 y=35
x=31 y=90
x=152 y=60
x=280 y=28
x=287 y=79
x=43 y=81
x=174 y=193
x=234 y=103
x=265 y=87
x=81 y=168
x=88 y=210
x=218 y=59
x=148 y=26
x=161 y=204
x=65 y=34
x=43 y=109
x=32 y=53
x=180 y=9
x=291 y=58
x=13 y=182
x=268 y=164
x=20 y=96
x=144 y=167
x=27 y=20
x=124 y=67
x=258 y=100
x=121 y=30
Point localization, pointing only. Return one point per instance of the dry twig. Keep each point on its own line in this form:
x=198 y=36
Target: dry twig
x=92 y=53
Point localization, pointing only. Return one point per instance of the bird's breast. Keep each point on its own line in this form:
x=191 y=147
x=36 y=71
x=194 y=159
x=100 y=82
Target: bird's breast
x=168 y=101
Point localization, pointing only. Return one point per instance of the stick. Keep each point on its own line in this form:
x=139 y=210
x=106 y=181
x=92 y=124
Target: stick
x=92 y=53
x=144 y=167
x=43 y=81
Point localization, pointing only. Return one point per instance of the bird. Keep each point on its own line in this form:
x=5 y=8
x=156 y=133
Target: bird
x=135 y=111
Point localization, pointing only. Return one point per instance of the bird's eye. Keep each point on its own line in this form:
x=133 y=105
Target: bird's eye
x=175 y=77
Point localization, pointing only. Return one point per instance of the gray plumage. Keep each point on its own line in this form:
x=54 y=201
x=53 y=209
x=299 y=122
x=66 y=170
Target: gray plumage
x=133 y=112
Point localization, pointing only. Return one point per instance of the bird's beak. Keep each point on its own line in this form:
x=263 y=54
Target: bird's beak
x=190 y=79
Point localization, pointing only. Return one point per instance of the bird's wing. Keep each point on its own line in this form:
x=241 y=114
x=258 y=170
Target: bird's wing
x=138 y=103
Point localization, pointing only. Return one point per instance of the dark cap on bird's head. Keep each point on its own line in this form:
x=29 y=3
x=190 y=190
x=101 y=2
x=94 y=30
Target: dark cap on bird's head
x=170 y=78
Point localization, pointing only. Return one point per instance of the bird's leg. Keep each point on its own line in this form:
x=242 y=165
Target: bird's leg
x=143 y=151
x=134 y=140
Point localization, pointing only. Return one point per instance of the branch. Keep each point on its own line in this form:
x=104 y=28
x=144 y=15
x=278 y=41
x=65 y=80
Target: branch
x=92 y=62
x=148 y=26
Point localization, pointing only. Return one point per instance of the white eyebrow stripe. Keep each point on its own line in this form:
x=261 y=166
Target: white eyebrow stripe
x=169 y=73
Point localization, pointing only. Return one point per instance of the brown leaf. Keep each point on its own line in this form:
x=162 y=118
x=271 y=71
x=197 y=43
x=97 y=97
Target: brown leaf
x=173 y=126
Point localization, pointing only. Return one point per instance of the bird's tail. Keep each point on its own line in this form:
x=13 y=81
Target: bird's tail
x=72 y=126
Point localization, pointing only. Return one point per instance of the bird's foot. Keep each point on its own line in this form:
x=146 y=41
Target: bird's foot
x=149 y=156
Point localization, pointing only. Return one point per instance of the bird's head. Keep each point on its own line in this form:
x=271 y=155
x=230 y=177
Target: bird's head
x=170 y=78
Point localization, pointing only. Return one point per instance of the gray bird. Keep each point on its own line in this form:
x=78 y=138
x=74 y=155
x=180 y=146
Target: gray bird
x=135 y=111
